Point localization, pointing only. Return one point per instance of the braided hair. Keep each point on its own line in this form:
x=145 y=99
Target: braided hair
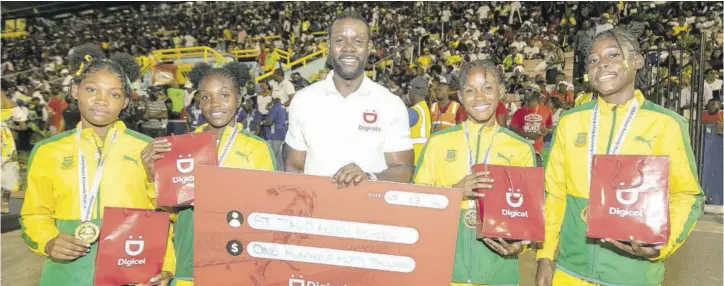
x=237 y=72
x=626 y=34
x=487 y=66
x=80 y=52
x=88 y=60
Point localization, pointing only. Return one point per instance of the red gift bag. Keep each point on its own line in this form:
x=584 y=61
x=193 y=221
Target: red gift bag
x=131 y=246
x=629 y=197
x=513 y=208
x=174 y=177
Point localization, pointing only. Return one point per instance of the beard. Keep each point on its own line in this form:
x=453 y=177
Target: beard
x=346 y=75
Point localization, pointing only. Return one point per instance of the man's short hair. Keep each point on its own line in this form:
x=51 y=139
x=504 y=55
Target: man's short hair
x=349 y=14
x=279 y=72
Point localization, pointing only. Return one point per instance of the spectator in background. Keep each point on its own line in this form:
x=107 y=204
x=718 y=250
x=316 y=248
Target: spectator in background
x=685 y=95
x=713 y=80
x=195 y=117
x=530 y=50
x=71 y=115
x=513 y=59
x=275 y=130
x=554 y=61
x=501 y=113
x=533 y=122
x=156 y=111
x=249 y=93
x=58 y=104
x=21 y=125
x=264 y=98
x=713 y=114
x=445 y=113
x=556 y=107
x=249 y=117
x=298 y=81
x=419 y=113
x=563 y=94
x=282 y=88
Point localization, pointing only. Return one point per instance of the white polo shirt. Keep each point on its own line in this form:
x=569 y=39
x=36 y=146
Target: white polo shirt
x=336 y=131
x=282 y=90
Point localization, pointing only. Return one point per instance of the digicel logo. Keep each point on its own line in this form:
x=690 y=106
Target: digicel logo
x=625 y=212
x=514 y=214
x=130 y=262
x=184 y=166
x=514 y=199
x=133 y=247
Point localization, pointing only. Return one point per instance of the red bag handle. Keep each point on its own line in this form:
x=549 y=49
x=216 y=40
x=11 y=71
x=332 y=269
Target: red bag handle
x=639 y=167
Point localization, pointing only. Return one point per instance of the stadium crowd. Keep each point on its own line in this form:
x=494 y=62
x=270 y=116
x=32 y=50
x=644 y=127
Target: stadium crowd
x=432 y=40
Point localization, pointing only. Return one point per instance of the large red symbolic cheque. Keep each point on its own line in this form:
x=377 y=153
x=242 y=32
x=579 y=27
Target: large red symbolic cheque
x=271 y=228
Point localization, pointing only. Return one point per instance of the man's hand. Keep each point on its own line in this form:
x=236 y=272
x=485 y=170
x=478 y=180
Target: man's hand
x=504 y=248
x=66 y=247
x=544 y=275
x=635 y=248
x=479 y=180
x=162 y=279
x=349 y=174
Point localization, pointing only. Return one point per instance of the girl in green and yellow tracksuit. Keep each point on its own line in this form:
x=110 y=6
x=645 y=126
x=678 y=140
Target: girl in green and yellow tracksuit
x=447 y=159
x=103 y=151
x=627 y=124
x=218 y=94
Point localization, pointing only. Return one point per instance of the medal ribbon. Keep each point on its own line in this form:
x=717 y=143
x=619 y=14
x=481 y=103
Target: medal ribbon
x=227 y=145
x=88 y=196
x=471 y=162
x=620 y=134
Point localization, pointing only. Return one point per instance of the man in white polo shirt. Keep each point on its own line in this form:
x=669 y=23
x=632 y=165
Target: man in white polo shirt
x=282 y=88
x=346 y=126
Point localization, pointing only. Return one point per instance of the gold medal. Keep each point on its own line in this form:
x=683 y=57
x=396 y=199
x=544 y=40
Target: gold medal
x=470 y=218
x=87 y=232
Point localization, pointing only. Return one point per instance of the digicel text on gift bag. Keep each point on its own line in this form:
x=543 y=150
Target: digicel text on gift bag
x=629 y=197
x=513 y=208
x=131 y=246
x=174 y=177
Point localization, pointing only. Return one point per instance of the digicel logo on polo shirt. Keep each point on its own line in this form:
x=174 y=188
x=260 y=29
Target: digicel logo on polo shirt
x=369 y=117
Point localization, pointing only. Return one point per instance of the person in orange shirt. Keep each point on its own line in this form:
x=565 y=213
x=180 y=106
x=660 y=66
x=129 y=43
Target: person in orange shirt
x=445 y=113
x=562 y=93
x=58 y=104
x=713 y=114
x=533 y=122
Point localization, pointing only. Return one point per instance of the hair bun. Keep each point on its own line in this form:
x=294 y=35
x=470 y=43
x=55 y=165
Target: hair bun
x=80 y=52
x=198 y=72
x=130 y=67
x=240 y=72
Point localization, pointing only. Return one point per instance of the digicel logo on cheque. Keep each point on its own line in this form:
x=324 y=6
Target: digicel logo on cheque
x=133 y=247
